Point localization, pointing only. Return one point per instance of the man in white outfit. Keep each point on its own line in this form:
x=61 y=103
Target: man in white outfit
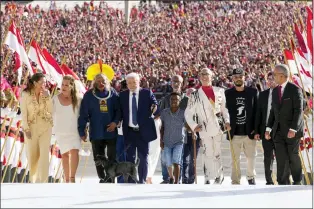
x=206 y=113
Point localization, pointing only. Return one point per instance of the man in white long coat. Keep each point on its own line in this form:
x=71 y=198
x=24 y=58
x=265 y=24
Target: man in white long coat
x=206 y=113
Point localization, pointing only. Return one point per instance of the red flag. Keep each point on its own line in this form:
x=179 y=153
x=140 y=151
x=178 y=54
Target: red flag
x=300 y=38
x=309 y=31
x=15 y=42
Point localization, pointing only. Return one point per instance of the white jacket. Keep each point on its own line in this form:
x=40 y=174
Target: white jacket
x=200 y=106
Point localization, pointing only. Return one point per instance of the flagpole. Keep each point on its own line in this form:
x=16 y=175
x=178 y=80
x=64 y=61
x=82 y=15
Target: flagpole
x=299 y=73
x=306 y=98
x=27 y=73
x=300 y=153
x=126 y=11
x=10 y=155
x=5 y=37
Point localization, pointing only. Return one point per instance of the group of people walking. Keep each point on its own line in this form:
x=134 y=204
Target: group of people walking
x=131 y=124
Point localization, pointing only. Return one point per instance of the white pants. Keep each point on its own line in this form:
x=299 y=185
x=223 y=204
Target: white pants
x=154 y=151
x=212 y=157
x=249 y=148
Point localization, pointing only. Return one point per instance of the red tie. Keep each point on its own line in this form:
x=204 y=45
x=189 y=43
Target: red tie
x=279 y=94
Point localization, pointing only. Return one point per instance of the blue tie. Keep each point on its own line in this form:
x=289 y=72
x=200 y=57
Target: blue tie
x=134 y=110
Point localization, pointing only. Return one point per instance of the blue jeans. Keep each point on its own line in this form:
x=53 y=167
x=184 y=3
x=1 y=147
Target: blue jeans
x=164 y=169
x=121 y=156
x=173 y=155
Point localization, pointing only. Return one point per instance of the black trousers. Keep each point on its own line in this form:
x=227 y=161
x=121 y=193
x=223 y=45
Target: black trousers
x=288 y=159
x=269 y=151
x=99 y=147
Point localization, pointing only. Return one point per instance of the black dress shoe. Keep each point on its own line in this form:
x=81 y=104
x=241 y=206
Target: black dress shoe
x=269 y=183
x=219 y=180
x=252 y=182
x=165 y=182
x=207 y=182
x=171 y=181
x=102 y=181
x=297 y=183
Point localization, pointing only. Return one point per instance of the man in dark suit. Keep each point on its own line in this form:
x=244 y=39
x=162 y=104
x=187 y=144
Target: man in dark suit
x=286 y=126
x=262 y=114
x=241 y=102
x=137 y=108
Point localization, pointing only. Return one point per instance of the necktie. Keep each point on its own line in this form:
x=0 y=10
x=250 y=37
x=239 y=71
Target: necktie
x=279 y=93
x=134 y=110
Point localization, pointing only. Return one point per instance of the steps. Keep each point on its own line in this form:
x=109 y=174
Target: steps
x=90 y=170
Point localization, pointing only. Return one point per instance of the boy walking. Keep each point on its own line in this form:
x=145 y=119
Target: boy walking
x=172 y=136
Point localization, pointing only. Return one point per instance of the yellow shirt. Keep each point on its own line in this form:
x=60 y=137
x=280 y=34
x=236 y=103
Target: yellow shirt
x=32 y=110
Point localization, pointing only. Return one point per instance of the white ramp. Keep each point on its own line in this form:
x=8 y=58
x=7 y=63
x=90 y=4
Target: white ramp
x=93 y=195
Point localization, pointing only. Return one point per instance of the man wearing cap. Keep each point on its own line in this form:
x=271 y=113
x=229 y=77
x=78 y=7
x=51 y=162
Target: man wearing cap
x=206 y=114
x=241 y=102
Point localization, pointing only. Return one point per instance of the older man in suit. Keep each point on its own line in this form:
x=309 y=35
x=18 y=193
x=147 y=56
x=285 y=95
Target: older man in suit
x=137 y=106
x=262 y=115
x=287 y=125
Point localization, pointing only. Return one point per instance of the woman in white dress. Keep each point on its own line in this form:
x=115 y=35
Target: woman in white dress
x=66 y=112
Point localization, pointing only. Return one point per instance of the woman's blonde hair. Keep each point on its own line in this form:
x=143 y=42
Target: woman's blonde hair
x=74 y=95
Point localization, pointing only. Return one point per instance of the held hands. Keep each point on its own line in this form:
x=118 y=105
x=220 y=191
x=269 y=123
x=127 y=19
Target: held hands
x=111 y=127
x=267 y=135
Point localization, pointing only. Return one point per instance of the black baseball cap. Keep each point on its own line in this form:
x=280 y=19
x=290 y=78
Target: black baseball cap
x=238 y=71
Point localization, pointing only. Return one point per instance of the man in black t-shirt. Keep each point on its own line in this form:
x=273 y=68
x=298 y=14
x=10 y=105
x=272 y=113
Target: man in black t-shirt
x=241 y=102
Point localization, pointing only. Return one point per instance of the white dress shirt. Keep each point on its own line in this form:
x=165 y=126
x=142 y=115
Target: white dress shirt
x=269 y=104
x=130 y=107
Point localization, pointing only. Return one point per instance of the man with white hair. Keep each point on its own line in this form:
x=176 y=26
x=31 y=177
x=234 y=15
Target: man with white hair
x=286 y=125
x=206 y=114
x=100 y=107
x=137 y=106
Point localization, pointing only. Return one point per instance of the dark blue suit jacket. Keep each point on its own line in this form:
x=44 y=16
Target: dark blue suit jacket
x=144 y=114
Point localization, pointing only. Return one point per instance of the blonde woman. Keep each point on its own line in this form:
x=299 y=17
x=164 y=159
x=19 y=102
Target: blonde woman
x=37 y=122
x=66 y=111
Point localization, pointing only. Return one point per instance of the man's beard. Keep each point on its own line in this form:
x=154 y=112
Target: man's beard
x=238 y=83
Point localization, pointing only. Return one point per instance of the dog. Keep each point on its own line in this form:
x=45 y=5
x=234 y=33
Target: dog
x=114 y=168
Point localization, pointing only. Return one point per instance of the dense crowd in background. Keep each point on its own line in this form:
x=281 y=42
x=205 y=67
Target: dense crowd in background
x=161 y=40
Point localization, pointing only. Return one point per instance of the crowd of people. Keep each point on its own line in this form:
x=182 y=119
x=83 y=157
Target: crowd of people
x=196 y=46
x=162 y=40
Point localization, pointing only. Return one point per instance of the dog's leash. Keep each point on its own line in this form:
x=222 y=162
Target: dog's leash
x=125 y=149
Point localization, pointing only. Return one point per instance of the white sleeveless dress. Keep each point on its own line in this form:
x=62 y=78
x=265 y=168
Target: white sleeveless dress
x=65 y=126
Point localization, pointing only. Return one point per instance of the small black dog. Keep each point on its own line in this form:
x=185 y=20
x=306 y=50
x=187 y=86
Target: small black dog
x=115 y=169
